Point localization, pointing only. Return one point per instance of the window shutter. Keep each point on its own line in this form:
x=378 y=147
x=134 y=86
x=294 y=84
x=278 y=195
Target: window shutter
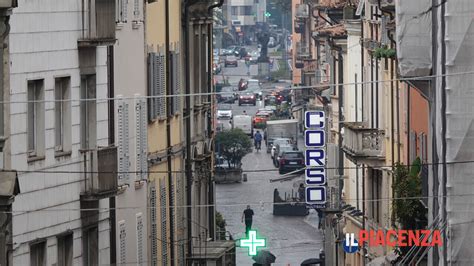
x=164 y=238
x=156 y=87
x=384 y=33
x=176 y=76
x=136 y=9
x=141 y=139
x=412 y=146
x=140 y=255
x=122 y=242
x=123 y=136
x=154 y=231
x=124 y=10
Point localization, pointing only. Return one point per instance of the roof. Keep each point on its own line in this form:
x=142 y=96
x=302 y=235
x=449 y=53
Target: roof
x=337 y=30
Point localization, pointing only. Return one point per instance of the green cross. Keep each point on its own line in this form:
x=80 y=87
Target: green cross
x=252 y=243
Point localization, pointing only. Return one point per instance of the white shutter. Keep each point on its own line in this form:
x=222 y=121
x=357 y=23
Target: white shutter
x=161 y=86
x=136 y=9
x=140 y=252
x=123 y=139
x=153 y=225
x=141 y=138
x=164 y=235
x=124 y=10
x=122 y=242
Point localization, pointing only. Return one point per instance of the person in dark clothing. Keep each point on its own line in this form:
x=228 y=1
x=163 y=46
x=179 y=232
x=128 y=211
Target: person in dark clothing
x=320 y=216
x=248 y=214
x=301 y=192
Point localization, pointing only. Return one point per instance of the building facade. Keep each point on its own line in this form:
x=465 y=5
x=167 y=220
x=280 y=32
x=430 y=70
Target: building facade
x=129 y=72
x=59 y=131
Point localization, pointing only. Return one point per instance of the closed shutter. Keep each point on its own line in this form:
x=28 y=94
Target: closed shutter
x=176 y=82
x=164 y=236
x=156 y=86
x=153 y=227
x=413 y=145
x=383 y=32
x=141 y=139
x=136 y=9
x=122 y=242
x=123 y=137
x=180 y=225
x=140 y=252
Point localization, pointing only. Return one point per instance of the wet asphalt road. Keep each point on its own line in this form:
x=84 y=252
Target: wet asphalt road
x=290 y=239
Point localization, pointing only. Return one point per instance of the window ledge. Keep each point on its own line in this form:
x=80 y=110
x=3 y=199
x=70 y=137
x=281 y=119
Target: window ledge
x=136 y=24
x=119 y=25
x=58 y=154
x=35 y=158
x=85 y=150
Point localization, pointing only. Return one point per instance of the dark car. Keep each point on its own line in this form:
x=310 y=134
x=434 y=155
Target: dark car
x=230 y=60
x=291 y=161
x=226 y=95
x=247 y=98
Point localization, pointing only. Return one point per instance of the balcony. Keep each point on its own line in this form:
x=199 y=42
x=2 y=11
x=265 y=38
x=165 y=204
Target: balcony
x=99 y=24
x=302 y=11
x=302 y=51
x=100 y=173
x=363 y=144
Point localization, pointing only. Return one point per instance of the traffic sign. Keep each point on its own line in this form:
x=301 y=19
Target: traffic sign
x=315 y=158
x=314 y=138
x=315 y=119
x=315 y=176
x=316 y=195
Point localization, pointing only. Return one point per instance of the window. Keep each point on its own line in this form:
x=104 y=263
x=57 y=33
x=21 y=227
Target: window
x=246 y=10
x=65 y=251
x=88 y=112
x=122 y=242
x=375 y=194
x=35 y=118
x=234 y=11
x=90 y=238
x=136 y=9
x=62 y=114
x=38 y=254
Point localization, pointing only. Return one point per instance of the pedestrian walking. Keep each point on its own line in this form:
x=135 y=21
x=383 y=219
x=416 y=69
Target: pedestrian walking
x=248 y=215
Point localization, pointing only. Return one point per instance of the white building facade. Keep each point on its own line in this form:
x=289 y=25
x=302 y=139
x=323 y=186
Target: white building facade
x=59 y=132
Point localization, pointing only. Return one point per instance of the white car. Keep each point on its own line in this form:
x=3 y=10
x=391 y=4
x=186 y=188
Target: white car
x=279 y=141
x=224 y=112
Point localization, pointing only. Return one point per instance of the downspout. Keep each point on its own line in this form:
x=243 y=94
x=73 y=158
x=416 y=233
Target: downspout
x=321 y=16
x=169 y=147
x=187 y=116
x=111 y=95
x=210 y=98
x=443 y=130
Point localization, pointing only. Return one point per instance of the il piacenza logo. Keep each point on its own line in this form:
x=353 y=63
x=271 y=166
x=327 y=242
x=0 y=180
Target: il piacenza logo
x=392 y=238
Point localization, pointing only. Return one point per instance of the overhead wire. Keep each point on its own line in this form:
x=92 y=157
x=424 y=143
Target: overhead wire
x=227 y=205
x=322 y=86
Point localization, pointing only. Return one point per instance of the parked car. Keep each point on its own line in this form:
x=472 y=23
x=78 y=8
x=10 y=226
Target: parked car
x=270 y=100
x=244 y=122
x=227 y=95
x=280 y=149
x=278 y=141
x=247 y=98
x=230 y=60
x=290 y=161
x=216 y=67
x=255 y=82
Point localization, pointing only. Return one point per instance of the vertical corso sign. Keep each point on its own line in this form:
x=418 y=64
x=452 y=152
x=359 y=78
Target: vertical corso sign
x=315 y=158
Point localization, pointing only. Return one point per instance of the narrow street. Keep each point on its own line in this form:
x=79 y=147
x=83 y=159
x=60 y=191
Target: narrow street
x=290 y=239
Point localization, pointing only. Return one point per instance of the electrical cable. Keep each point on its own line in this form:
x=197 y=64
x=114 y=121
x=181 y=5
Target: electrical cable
x=321 y=86
x=182 y=171
x=241 y=204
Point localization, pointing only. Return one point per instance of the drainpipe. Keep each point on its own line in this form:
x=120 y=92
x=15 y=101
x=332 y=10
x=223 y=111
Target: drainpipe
x=187 y=116
x=210 y=98
x=169 y=156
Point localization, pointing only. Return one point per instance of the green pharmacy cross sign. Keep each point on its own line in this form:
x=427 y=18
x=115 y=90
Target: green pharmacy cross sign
x=268 y=14
x=252 y=243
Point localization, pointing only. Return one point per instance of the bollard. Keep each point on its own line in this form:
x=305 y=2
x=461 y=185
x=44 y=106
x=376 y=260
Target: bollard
x=245 y=177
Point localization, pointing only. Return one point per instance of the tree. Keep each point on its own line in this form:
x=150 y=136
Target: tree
x=233 y=145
